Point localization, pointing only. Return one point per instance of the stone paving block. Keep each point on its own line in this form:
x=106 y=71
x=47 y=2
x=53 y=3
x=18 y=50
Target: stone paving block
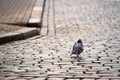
x=112 y=78
x=55 y=79
x=102 y=79
x=86 y=76
x=20 y=79
x=8 y=74
x=38 y=78
x=62 y=63
x=105 y=75
x=60 y=76
x=10 y=78
x=72 y=79
x=88 y=79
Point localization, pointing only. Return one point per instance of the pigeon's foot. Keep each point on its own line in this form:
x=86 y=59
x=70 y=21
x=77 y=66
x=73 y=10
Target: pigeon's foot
x=77 y=55
x=74 y=56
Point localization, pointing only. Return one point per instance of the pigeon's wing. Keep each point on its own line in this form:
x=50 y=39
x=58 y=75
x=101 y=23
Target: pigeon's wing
x=81 y=47
x=74 y=46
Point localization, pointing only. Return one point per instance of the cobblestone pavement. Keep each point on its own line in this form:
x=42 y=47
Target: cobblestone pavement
x=47 y=56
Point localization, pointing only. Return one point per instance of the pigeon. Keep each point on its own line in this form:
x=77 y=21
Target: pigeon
x=78 y=48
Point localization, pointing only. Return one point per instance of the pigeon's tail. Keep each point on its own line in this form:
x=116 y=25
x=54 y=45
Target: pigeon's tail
x=73 y=52
x=77 y=51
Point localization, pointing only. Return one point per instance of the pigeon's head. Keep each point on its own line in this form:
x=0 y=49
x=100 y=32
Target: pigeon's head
x=79 y=41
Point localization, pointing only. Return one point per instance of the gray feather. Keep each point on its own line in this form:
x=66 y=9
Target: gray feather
x=78 y=47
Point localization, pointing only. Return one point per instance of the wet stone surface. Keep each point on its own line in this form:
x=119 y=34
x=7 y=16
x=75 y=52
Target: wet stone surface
x=47 y=56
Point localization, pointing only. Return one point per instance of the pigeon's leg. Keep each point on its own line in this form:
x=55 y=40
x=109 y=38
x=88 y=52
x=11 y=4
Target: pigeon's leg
x=71 y=54
x=77 y=55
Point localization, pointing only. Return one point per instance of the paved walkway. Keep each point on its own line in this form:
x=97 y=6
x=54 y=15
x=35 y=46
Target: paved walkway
x=14 y=14
x=47 y=56
x=16 y=11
